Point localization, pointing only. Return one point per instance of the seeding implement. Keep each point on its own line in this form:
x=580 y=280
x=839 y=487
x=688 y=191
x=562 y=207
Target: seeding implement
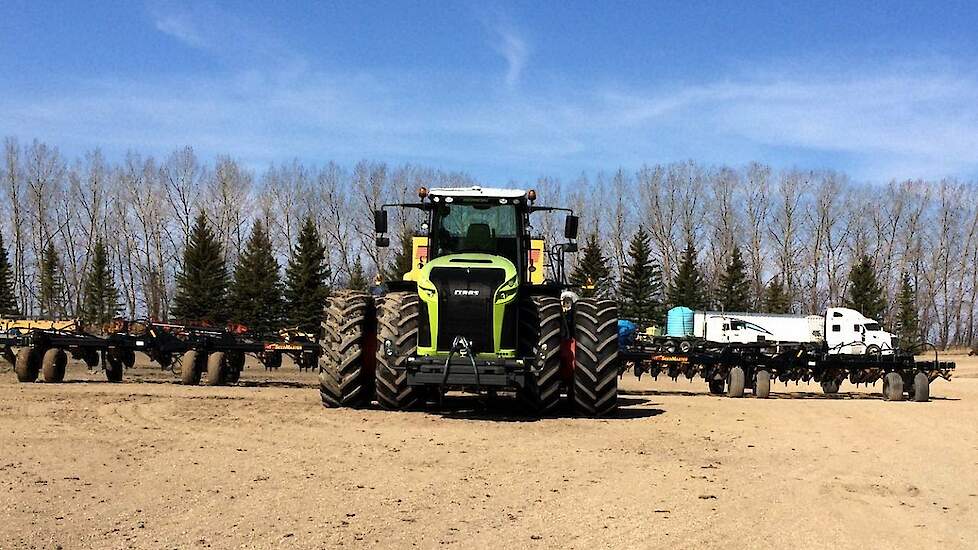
x=476 y=313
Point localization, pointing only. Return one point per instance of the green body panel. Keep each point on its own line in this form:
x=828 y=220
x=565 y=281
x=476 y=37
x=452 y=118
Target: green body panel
x=504 y=297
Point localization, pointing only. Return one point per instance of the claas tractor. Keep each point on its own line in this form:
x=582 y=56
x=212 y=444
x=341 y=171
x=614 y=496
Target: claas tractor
x=475 y=314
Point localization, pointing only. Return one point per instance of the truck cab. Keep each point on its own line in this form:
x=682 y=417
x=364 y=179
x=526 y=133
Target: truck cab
x=849 y=332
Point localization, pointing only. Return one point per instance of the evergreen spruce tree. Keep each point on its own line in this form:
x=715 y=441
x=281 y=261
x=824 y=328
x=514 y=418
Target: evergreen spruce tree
x=100 y=298
x=908 y=323
x=865 y=293
x=592 y=274
x=358 y=279
x=305 y=280
x=256 y=291
x=202 y=283
x=734 y=291
x=403 y=260
x=687 y=288
x=640 y=291
x=8 y=300
x=776 y=297
x=50 y=294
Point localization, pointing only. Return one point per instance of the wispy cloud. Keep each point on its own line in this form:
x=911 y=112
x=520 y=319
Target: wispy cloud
x=508 y=42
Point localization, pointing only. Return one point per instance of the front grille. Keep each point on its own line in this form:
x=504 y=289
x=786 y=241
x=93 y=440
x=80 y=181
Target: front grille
x=465 y=297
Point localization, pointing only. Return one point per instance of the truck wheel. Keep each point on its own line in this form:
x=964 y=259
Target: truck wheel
x=346 y=358
x=872 y=349
x=893 y=387
x=113 y=367
x=685 y=346
x=595 y=391
x=669 y=346
x=398 y=316
x=716 y=386
x=190 y=368
x=762 y=384
x=217 y=366
x=27 y=364
x=540 y=338
x=53 y=365
x=920 y=391
x=830 y=387
x=735 y=382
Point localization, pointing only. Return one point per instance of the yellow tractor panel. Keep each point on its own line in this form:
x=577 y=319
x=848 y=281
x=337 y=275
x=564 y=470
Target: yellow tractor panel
x=419 y=245
x=535 y=261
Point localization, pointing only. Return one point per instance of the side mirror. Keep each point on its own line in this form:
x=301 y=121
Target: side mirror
x=380 y=221
x=383 y=242
x=570 y=227
x=570 y=248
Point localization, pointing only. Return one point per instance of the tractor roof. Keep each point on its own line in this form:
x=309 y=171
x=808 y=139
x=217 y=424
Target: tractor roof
x=476 y=191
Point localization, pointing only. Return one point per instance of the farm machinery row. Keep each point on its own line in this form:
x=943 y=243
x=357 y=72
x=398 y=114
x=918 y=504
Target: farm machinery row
x=216 y=355
x=733 y=368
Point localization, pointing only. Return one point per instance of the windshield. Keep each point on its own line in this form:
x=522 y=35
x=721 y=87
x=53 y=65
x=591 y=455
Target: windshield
x=872 y=327
x=487 y=228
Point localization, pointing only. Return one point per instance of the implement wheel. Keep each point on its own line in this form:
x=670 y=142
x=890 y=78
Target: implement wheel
x=398 y=316
x=347 y=356
x=830 y=387
x=595 y=391
x=114 y=366
x=53 y=365
x=716 y=386
x=893 y=387
x=190 y=368
x=217 y=367
x=736 y=380
x=920 y=390
x=762 y=384
x=236 y=361
x=27 y=364
x=540 y=338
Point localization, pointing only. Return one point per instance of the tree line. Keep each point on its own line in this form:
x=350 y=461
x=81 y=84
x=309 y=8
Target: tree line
x=73 y=226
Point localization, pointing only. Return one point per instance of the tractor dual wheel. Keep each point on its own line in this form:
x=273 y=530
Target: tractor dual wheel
x=191 y=367
x=595 y=390
x=398 y=318
x=27 y=364
x=540 y=338
x=347 y=358
x=53 y=365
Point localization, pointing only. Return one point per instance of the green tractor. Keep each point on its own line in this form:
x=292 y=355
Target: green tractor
x=475 y=314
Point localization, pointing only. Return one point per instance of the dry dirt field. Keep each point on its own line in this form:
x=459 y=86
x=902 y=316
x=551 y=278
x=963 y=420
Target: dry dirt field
x=150 y=464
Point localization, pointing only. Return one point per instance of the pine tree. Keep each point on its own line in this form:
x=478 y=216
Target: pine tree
x=305 y=280
x=592 y=274
x=256 y=291
x=687 y=288
x=403 y=261
x=50 y=295
x=776 y=297
x=734 y=291
x=8 y=300
x=202 y=282
x=908 y=323
x=865 y=293
x=100 y=301
x=358 y=279
x=640 y=292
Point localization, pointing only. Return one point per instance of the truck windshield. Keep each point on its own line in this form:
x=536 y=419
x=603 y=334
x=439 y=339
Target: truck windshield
x=487 y=228
x=872 y=327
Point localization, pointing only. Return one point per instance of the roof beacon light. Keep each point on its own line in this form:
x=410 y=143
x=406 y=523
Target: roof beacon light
x=422 y=192
x=531 y=195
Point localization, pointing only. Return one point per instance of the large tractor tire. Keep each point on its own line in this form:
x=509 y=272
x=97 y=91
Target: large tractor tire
x=27 y=364
x=347 y=357
x=217 y=367
x=540 y=338
x=53 y=365
x=114 y=365
x=595 y=391
x=190 y=368
x=398 y=317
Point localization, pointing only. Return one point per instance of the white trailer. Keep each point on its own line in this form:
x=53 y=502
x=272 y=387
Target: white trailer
x=842 y=330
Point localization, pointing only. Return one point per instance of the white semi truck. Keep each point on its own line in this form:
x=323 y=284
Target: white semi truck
x=842 y=330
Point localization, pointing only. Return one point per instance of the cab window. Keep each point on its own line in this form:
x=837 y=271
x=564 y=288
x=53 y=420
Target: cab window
x=872 y=327
x=476 y=227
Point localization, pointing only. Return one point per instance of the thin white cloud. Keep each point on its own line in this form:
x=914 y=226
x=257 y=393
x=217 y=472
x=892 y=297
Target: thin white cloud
x=509 y=43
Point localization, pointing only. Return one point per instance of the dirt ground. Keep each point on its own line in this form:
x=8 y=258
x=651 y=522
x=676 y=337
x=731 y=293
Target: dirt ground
x=150 y=464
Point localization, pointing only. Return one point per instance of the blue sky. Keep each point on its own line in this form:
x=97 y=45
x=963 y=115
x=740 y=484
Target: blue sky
x=503 y=91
